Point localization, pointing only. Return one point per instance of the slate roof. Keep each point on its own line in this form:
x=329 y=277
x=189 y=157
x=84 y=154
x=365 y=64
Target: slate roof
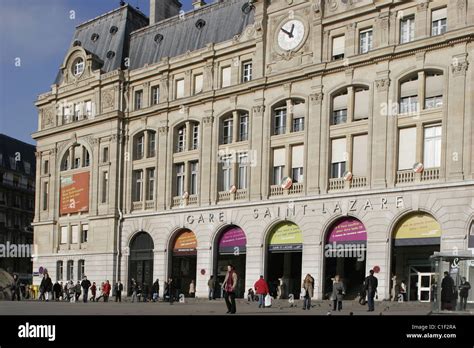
x=223 y=21
x=9 y=147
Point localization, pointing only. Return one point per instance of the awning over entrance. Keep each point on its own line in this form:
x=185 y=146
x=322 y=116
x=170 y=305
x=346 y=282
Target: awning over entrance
x=348 y=231
x=418 y=229
x=287 y=237
x=185 y=244
x=233 y=242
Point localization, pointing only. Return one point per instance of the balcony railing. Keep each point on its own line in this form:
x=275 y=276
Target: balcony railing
x=296 y=188
x=336 y=184
x=405 y=176
x=224 y=196
x=430 y=174
x=137 y=205
x=179 y=201
x=149 y=204
x=276 y=190
x=409 y=176
x=192 y=200
x=358 y=182
x=241 y=194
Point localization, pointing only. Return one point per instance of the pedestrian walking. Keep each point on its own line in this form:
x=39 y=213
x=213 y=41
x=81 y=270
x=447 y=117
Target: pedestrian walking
x=370 y=285
x=118 y=288
x=15 y=288
x=70 y=290
x=211 y=285
x=230 y=282
x=192 y=289
x=77 y=291
x=134 y=289
x=85 y=285
x=57 y=291
x=403 y=290
x=101 y=292
x=106 y=291
x=170 y=290
x=447 y=292
x=464 y=288
x=308 y=286
x=261 y=289
x=338 y=292
x=146 y=292
x=93 y=292
x=155 y=290
x=46 y=287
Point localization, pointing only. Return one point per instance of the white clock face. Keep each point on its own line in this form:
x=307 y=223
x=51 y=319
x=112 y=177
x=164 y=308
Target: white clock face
x=291 y=34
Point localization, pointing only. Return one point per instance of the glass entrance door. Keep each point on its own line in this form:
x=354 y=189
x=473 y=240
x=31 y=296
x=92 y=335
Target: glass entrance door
x=424 y=287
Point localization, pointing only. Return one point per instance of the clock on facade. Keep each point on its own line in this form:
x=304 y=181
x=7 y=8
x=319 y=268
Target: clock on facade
x=291 y=34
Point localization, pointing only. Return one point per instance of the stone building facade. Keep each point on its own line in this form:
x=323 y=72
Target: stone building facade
x=259 y=133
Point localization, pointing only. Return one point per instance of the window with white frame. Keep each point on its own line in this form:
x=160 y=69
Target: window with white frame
x=88 y=108
x=70 y=270
x=246 y=71
x=226 y=76
x=339 y=108
x=105 y=185
x=78 y=67
x=434 y=90
x=179 y=88
x=279 y=120
x=105 y=154
x=406 y=148
x=181 y=139
x=77 y=111
x=359 y=155
x=198 y=83
x=297 y=163
x=85 y=233
x=227 y=130
x=81 y=267
x=139 y=146
x=243 y=160
x=63 y=237
x=338 y=158
x=138 y=100
x=298 y=110
x=193 y=185
x=338 y=47
x=365 y=40
x=180 y=177
x=155 y=95
x=279 y=160
x=45 y=195
x=439 y=21
x=195 y=129
x=243 y=126
x=409 y=95
x=75 y=234
x=407 y=29
x=226 y=172
x=151 y=144
x=432 y=146
x=150 y=184
x=59 y=270
x=361 y=103
x=137 y=178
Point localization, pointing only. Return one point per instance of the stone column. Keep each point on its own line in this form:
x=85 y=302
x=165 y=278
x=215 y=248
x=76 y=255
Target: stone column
x=313 y=131
x=207 y=177
x=162 y=175
x=258 y=141
x=422 y=20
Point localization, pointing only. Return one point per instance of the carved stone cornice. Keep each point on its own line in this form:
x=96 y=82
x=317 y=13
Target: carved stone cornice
x=163 y=130
x=258 y=110
x=316 y=98
x=208 y=120
x=382 y=84
x=459 y=68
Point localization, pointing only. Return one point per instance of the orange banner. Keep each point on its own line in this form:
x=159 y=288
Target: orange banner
x=185 y=244
x=74 y=195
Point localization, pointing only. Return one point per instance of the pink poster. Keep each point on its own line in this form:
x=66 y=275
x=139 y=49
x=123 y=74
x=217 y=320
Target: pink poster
x=348 y=230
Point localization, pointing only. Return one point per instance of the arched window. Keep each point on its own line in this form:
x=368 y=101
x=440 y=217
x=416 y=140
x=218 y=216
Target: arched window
x=422 y=90
x=75 y=157
x=234 y=127
x=78 y=67
x=187 y=136
x=144 y=145
x=288 y=116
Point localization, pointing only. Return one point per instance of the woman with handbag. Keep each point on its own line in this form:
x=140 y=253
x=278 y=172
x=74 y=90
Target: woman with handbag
x=308 y=286
x=338 y=292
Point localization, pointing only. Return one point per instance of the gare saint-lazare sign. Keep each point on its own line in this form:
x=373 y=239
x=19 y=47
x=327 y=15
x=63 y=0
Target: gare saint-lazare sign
x=305 y=209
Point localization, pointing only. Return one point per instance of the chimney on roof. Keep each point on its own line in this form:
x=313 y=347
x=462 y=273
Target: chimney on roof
x=198 y=4
x=162 y=9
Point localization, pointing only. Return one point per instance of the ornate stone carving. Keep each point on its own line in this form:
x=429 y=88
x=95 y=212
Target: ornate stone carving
x=459 y=68
x=208 y=120
x=316 y=98
x=382 y=84
x=163 y=130
x=47 y=117
x=422 y=6
x=258 y=110
x=108 y=99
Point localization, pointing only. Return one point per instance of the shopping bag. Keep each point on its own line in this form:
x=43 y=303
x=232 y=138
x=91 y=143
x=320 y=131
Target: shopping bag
x=268 y=301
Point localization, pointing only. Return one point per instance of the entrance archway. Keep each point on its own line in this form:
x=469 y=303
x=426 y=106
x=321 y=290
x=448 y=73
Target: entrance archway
x=184 y=261
x=230 y=248
x=415 y=238
x=345 y=255
x=141 y=259
x=284 y=260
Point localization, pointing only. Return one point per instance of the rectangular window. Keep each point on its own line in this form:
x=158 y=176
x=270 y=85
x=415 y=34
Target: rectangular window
x=74 y=234
x=439 y=21
x=297 y=163
x=59 y=270
x=242 y=172
x=105 y=154
x=46 y=167
x=70 y=270
x=138 y=99
x=338 y=157
x=298 y=124
x=45 y=195
x=226 y=76
x=67 y=111
x=155 y=95
x=279 y=160
x=180 y=177
x=85 y=232
x=77 y=111
x=409 y=104
x=86 y=157
x=105 y=185
x=195 y=144
x=198 y=83
x=228 y=130
x=365 y=41
x=194 y=178
x=63 y=237
x=406 y=148
x=279 y=121
x=434 y=91
x=179 y=88
x=226 y=172
x=137 y=185
x=140 y=147
x=80 y=269
x=244 y=127
x=359 y=155
x=88 y=109
x=27 y=167
x=339 y=113
x=181 y=143
x=362 y=104
x=150 y=192
x=407 y=29
x=151 y=144
x=338 y=47
x=246 y=71
x=432 y=147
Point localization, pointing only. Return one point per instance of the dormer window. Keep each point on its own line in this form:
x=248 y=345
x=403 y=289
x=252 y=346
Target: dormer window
x=78 y=67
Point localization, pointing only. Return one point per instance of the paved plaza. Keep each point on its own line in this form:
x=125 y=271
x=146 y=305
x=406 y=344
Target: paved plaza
x=204 y=307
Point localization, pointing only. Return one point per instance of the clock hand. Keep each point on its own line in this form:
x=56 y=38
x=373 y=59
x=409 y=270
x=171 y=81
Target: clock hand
x=287 y=32
x=292 y=28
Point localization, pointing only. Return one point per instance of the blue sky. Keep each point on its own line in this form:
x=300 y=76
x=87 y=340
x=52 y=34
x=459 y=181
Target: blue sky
x=35 y=34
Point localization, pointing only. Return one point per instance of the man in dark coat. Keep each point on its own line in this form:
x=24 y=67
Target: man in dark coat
x=118 y=288
x=370 y=284
x=85 y=285
x=463 y=293
x=47 y=286
x=155 y=290
x=57 y=291
x=447 y=292
x=15 y=288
